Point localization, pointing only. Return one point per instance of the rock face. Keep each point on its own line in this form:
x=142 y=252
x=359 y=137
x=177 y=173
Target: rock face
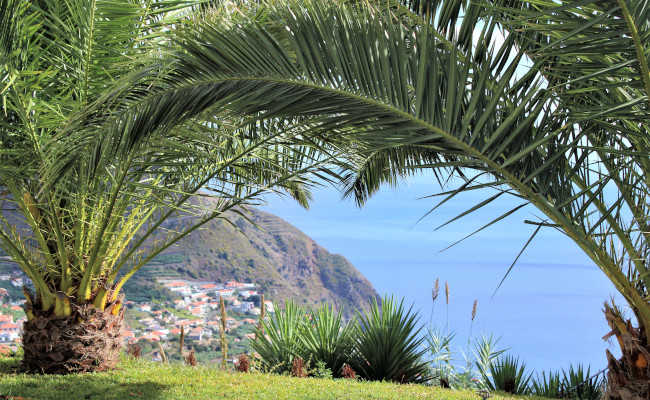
x=267 y=250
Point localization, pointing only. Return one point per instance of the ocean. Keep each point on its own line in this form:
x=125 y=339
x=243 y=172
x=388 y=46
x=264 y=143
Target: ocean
x=548 y=311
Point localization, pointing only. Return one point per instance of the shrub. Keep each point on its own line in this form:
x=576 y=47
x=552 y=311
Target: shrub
x=321 y=371
x=508 y=375
x=243 y=364
x=191 y=359
x=347 y=372
x=388 y=344
x=327 y=339
x=298 y=368
x=550 y=386
x=134 y=350
x=578 y=385
x=439 y=345
x=281 y=341
x=485 y=354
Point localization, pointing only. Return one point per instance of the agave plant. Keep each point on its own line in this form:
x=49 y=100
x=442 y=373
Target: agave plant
x=327 y=339
x=577 y=383
x=546 y=101
x=282 y=338
x=388 y=344
x=548 y=386
x=93 y=161
x=509 y=375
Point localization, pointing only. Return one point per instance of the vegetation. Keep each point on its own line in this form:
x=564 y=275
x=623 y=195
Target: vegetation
x=282 y=337
x=548 y=385
x=508 y=374
x=579 y=383
x=389 y=345
x=93 y=160
x=508 y=96
x=328 y=340
x=147 y=380
x=383 y=343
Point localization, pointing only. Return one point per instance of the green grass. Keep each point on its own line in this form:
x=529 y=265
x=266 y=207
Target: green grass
x=147 y=380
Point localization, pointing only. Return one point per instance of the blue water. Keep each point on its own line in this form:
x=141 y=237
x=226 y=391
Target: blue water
x=548 y=311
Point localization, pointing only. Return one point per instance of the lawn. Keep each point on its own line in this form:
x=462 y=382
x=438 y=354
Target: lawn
x=147 y=380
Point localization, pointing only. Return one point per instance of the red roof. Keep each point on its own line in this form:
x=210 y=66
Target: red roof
x=8 y=326
x=6 y=318
x=16 y=308
x=208 y=286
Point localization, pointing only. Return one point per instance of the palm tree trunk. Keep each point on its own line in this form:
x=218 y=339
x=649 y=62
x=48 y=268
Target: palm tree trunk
x=628 y=377
x=87 y=340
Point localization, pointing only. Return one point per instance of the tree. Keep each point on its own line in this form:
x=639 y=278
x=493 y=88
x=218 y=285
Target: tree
x=92 y=162
x=544 y=101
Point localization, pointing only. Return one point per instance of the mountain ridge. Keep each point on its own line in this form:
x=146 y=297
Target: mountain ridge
x=283 y=261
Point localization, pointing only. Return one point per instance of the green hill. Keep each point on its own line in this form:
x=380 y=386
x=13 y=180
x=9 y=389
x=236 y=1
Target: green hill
x=135 y=379
x=284 y=261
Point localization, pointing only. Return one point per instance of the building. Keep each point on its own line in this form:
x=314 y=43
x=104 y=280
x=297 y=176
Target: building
x=196 y=334
x=9 y=332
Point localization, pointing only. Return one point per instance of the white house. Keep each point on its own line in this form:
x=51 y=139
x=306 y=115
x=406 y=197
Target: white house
x=9 y=332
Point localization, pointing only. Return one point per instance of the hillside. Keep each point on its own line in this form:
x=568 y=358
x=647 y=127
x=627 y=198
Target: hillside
x=284 y=261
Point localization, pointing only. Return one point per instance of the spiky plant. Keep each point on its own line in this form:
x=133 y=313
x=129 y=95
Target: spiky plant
x=93 y=160
x=508 y=374
x=281 y=342
x=439 y=347
x=577 y=383
x=546 y=101
x=549 y=386
x=389 y=345
x=328 y=339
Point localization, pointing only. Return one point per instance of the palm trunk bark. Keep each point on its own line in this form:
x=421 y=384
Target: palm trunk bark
x=88 y=340
x=628 y=378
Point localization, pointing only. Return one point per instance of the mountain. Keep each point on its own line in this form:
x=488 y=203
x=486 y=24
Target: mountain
x=282 y=260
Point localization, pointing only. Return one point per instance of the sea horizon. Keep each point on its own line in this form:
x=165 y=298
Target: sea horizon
x=547 y=312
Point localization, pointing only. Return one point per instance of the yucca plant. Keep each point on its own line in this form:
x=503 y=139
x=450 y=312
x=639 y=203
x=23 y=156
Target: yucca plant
x=282 y=338
x=545 y=101
x=549 y=386
x=93 y=161
x=508 y=374
x=577 y=383
x=327 y=339
x=388 y=345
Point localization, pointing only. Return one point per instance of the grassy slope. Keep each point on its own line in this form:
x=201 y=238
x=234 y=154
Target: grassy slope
x=146 y=380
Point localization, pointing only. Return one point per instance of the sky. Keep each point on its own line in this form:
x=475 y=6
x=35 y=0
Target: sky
x=548 y=310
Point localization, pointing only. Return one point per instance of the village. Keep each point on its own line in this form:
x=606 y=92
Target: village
x=156 y=325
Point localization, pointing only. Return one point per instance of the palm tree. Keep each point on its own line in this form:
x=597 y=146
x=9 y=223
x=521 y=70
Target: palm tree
x=90 y=167
x=544 y=101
